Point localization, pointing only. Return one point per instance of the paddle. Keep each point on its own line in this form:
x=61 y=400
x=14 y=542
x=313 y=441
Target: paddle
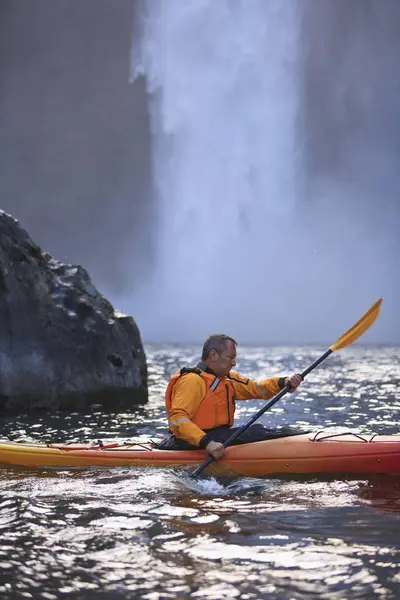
x=345 y=340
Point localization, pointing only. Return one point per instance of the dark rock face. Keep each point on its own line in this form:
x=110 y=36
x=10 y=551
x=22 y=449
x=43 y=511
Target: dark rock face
x=62 y=344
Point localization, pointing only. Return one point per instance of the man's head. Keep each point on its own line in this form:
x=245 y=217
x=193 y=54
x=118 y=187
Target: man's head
x=219 y=353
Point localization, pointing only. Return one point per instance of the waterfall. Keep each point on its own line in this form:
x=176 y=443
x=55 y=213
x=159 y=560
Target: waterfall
x=274 y=167
x=224 y=92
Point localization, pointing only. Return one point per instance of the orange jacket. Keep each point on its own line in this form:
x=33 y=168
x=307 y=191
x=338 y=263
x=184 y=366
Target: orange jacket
x=196 y=400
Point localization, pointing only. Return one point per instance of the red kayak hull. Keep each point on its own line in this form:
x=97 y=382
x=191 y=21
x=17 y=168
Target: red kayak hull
x=316 y=453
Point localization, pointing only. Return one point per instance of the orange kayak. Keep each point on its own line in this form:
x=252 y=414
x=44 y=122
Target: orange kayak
x=317 y=453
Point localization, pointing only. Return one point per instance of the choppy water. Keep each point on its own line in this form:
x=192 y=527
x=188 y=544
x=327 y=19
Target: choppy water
x=156 y=534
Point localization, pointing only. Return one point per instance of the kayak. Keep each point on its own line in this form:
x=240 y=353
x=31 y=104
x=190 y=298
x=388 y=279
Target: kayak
x=316 y=453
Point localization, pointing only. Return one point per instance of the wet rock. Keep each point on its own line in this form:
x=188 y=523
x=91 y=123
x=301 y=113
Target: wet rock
x=62 y=344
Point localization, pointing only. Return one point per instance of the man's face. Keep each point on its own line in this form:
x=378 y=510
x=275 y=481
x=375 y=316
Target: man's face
x=224 y=362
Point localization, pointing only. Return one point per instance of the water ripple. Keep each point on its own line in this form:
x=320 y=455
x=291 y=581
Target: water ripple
x=158 y=534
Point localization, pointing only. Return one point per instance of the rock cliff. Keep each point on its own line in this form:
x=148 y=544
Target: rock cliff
x=62 y=344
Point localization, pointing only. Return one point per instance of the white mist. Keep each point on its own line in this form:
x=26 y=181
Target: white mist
x=224 y=83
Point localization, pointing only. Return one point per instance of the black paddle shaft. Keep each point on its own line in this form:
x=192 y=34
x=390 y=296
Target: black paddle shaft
x=260 y=412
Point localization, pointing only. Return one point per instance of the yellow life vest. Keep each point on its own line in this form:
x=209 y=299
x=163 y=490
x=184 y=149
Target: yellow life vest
x=217 y=407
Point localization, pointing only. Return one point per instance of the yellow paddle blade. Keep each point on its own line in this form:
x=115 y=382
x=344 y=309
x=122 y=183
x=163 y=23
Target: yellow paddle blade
x=359 y=328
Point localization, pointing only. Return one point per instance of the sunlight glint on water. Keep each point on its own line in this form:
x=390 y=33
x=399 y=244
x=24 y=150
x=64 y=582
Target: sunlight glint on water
x=155 y=534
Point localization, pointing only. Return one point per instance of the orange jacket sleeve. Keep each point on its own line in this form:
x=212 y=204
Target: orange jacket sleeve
x=245 y=388
x=187 y=395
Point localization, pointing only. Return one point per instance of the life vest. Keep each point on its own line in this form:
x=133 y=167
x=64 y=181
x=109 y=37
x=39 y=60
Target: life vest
x=217 y=407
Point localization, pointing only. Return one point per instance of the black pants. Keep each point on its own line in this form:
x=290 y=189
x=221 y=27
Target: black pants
x=254 y=433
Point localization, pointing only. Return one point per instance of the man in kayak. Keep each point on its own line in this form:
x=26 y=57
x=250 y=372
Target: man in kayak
x=200 y=401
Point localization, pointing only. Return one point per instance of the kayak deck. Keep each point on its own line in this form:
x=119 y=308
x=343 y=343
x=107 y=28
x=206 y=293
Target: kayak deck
x=320 y=452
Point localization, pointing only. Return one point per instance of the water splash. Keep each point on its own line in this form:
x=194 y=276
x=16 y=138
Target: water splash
x=222 y=486
x=205 y=486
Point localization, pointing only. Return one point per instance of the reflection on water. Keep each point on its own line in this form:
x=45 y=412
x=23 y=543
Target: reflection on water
x=155 y=534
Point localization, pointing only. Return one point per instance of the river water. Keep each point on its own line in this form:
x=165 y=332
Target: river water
x=156 y=534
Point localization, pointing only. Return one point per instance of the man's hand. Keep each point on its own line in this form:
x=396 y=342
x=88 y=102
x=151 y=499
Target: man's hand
x=215 y=449
x=293 y=382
